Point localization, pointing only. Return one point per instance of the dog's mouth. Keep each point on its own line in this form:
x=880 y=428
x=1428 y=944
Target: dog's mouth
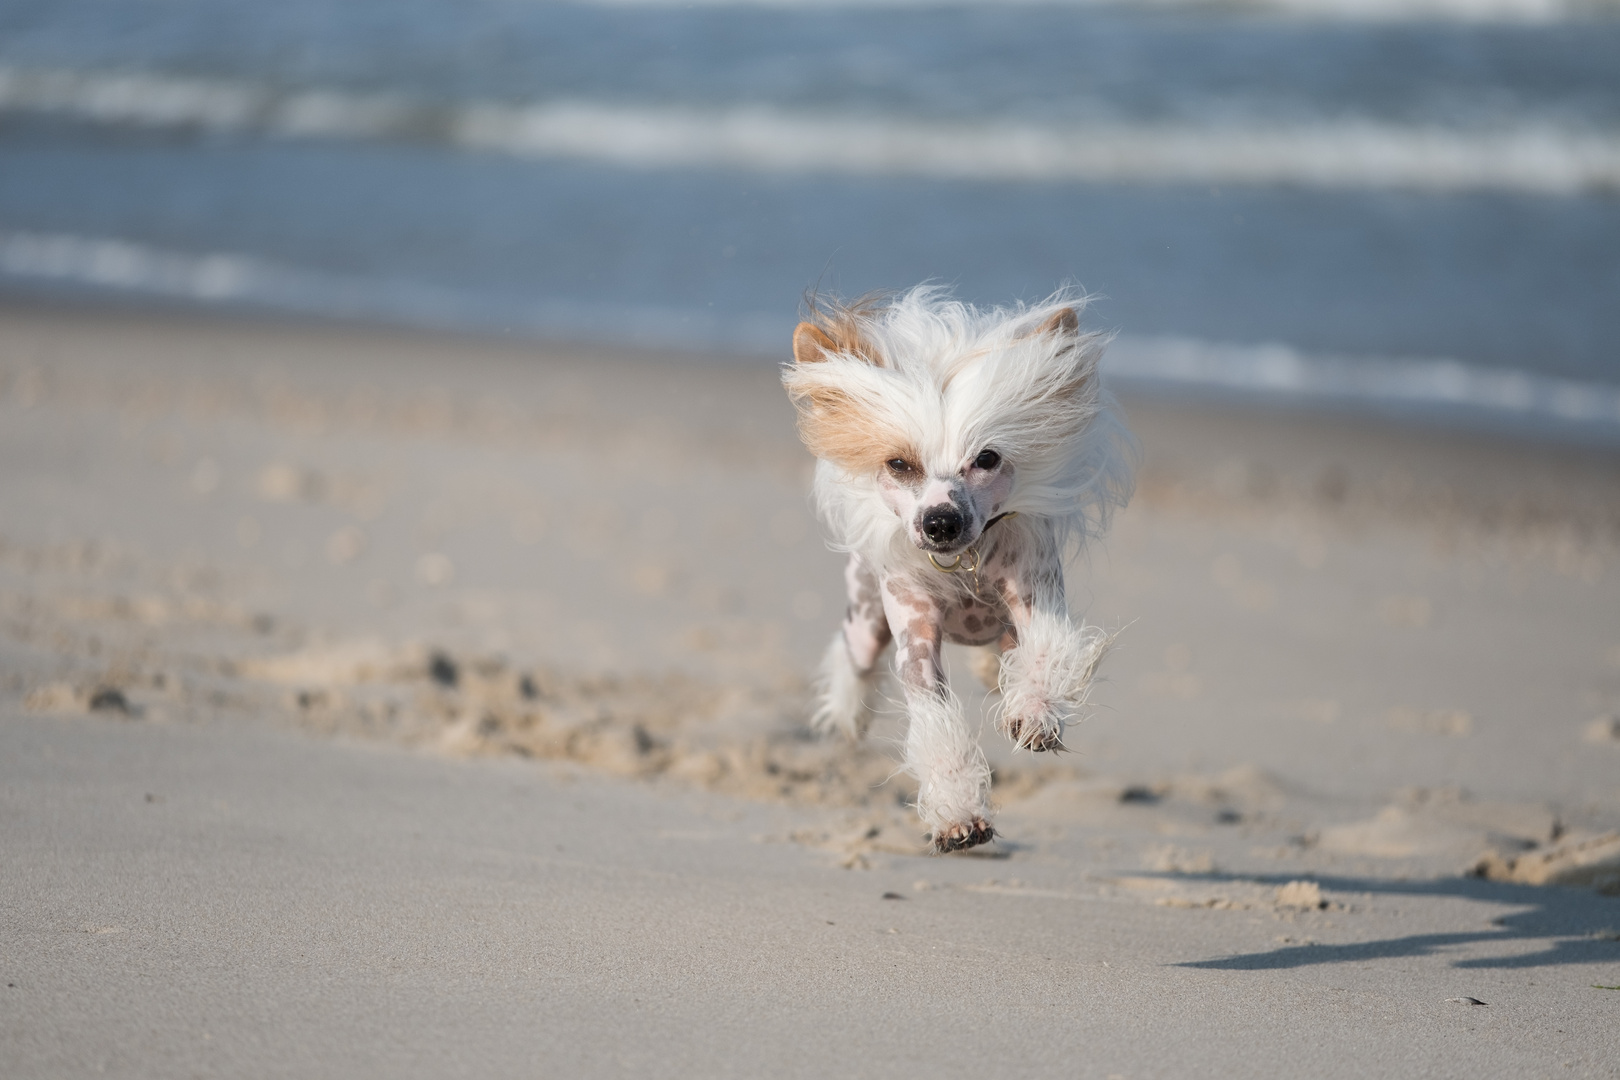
x=955 y=546
x=935 y=549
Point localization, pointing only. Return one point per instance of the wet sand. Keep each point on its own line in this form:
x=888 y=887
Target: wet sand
x=407 y=705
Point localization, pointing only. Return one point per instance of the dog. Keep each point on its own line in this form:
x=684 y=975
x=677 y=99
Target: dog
x=961 y=455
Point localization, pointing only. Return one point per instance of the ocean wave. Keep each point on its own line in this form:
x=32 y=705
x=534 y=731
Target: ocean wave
x=1279 y=371
x=1477 y=11
x=249 y=282
x=1533 y=156
x=119 y=264
x=1488 y=397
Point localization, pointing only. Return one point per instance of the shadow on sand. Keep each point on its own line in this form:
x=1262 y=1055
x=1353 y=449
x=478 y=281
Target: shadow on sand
x=1575 y=926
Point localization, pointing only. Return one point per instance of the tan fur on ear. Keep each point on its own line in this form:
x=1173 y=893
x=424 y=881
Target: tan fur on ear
x=835 y=327
x=1065 y=323
x=1061 y=322
x=811 y=345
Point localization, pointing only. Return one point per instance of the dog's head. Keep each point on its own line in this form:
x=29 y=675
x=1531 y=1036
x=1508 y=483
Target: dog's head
x=948 y=415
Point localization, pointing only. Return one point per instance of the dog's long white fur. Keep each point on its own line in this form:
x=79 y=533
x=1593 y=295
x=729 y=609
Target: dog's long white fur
x=1046 y=680
x=953 y=777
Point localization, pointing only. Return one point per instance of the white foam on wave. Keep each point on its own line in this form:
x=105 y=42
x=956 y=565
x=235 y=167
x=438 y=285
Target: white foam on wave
x=1488 y=11
x=1534 y=156
x=117 y=264
x=1489 y=395
x=147 y=99
x=1332 y=154
x=212 y=278
x=1280 y=371
x=247 y=281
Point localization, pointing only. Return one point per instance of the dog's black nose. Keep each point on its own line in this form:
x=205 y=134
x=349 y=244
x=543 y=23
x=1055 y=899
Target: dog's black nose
x=943 y=524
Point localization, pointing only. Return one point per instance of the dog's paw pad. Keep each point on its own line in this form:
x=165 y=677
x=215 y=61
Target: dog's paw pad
x=961 y=837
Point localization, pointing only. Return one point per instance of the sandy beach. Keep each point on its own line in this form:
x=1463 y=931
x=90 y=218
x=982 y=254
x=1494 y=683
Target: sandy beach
x=399 y=705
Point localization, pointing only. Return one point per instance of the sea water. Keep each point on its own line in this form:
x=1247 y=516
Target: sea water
x=1405 y=207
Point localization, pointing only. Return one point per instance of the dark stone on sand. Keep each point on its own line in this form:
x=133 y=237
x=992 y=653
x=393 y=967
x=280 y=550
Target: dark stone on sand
x=109 y=699
x=443 y=670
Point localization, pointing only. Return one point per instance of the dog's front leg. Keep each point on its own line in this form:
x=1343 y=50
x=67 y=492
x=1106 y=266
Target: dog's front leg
x=850 y=663
x=1046 y=678
x=953 y=778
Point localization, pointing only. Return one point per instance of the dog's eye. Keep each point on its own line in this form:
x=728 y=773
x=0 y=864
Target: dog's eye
x=987 y=459
x=899 y=465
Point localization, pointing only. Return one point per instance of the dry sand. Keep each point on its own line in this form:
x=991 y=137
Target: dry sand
x=391 y=705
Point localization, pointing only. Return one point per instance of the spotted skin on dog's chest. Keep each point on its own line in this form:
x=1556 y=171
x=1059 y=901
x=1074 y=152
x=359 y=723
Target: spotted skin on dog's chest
x=976 y=622
x=947 y=605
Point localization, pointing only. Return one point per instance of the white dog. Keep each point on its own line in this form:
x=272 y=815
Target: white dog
x=962 y=453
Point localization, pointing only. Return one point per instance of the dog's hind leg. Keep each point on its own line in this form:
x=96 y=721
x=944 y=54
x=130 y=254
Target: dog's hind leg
x=849 y=666
x=987 y=661
x=953 y=778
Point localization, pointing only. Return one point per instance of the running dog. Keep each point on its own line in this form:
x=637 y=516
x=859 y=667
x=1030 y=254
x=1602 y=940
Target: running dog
x=962 y=454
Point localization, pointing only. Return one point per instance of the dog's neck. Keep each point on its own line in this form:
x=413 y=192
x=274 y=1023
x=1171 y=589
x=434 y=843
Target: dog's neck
x=1004 y=515
x=967 y=560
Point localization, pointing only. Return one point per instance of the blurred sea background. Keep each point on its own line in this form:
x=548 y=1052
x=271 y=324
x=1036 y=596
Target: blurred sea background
x=1399 y=208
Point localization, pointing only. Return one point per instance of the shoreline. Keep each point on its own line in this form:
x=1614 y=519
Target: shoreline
x=1417 y=393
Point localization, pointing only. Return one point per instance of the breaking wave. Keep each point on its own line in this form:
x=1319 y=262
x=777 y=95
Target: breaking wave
x=1531 y=156
x=1283 y=372
x=244 y=281
x=1478 y=11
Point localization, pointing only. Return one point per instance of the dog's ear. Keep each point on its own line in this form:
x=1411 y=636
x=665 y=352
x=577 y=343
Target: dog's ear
x=1064 y=323
x=811 y=344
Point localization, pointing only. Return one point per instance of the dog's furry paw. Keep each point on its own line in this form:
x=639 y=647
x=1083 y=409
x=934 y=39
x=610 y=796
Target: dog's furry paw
x=1046 y=680
x=961 y=837
x=1033 y=735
